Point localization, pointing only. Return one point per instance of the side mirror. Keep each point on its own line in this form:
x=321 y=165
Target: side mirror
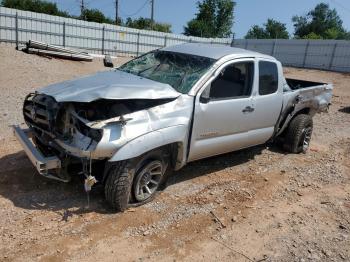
x=205 y=96
x=204 y=99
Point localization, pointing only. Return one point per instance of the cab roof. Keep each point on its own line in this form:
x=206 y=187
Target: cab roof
x=214 y=51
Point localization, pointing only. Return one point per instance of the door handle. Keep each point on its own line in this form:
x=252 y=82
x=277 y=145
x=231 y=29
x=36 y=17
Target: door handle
x=248 y=109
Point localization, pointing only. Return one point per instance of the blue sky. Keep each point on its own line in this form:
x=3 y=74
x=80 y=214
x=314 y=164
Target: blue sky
x=178 y=12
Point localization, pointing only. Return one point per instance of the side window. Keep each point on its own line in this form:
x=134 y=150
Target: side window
x=268 y=78
x=234 y=81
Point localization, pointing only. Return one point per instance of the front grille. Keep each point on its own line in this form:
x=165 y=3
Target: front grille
x=39 y=111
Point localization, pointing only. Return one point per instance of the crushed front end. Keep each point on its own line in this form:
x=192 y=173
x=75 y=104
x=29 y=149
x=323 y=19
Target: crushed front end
x=57 y=140
x=72 y=137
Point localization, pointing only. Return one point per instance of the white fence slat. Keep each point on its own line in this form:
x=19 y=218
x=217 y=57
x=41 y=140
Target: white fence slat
x=321 y=54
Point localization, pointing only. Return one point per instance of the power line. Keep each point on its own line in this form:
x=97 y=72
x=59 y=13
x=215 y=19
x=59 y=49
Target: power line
x=135 y=13
x=83 y=5
x=104 y=4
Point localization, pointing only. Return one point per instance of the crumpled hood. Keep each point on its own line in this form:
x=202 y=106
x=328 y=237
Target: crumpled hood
x=109 y=85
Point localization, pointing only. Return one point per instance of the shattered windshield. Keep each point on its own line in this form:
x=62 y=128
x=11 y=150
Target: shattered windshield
x=181 y=71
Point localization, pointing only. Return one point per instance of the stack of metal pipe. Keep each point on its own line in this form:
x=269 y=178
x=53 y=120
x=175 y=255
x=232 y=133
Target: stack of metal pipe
x=40 y=48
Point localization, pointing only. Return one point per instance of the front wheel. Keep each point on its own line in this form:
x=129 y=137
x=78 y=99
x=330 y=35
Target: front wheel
x=299 y=134
x=136 y=181
x=147 y=180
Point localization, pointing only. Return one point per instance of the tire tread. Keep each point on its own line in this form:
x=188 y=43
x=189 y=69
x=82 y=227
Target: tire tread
x=295 y=132
x=117 y=187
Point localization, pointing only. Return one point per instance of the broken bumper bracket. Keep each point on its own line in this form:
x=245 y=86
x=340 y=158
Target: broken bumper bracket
x=42 y=163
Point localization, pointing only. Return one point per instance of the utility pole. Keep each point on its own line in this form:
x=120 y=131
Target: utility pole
x=82 y=8
x=152 y=12
x=116 y=11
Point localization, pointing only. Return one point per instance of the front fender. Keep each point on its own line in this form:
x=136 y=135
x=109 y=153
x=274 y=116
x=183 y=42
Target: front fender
x=152 y=140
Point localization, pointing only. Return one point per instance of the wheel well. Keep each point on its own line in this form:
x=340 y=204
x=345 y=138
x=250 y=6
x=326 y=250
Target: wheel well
x=176 y=152
x=304 y=111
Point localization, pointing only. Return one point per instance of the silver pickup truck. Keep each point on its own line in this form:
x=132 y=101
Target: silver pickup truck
x=129 y=127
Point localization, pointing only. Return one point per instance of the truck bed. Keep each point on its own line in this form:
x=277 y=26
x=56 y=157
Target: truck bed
x=315 y=97
x=296 y=84
x=302 y=93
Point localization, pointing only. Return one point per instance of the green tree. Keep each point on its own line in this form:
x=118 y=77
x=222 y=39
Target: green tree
x=320 y=23
x=95 y=15
x=312 y=36
x=276 y=29
x=256 y=32
x=146 y=23
x=39 y=6
x=91 y=15
x=214 y=19
x=272 y=30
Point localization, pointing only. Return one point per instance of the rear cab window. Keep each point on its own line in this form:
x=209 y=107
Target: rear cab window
x=268 y=78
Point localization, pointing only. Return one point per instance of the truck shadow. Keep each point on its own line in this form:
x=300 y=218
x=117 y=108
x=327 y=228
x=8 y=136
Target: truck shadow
x=20 y=183
x=345 y=110
x=214 y=164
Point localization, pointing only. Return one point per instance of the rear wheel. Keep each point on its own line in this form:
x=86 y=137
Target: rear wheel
x=136 y=181
x=299 y=134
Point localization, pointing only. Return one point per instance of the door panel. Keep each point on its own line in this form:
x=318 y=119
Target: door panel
x=218 y=127
x=222 y=124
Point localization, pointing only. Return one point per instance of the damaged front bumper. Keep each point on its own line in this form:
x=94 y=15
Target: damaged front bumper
x=44 y=165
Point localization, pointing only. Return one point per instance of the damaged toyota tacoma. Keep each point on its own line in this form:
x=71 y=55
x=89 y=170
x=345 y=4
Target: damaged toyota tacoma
x=128 y=128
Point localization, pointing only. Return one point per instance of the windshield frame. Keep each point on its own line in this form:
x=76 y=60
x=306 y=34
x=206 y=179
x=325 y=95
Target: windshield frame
x=206 y=69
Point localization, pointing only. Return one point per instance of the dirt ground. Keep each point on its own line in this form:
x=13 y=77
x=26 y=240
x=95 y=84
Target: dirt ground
x=258 y=204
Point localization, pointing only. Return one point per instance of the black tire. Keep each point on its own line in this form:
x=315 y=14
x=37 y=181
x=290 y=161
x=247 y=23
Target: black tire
x=297 y=139
x=120 y=182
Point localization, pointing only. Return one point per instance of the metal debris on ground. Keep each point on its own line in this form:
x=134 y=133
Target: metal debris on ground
x=107 y=61
x=44 y=49
x=218 y=219
x=233 y=250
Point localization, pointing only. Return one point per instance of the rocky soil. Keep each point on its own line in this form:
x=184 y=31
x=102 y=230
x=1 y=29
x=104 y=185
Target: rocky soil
x=259 y=204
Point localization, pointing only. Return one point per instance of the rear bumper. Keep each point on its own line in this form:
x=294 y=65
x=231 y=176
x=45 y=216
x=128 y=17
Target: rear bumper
x=43 y=164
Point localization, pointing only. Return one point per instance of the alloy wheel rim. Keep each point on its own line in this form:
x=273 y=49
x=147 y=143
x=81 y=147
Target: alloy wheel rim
x=148 y=179
x=306 y=138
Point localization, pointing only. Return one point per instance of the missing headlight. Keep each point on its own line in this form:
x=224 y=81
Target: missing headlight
x=94 y=134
